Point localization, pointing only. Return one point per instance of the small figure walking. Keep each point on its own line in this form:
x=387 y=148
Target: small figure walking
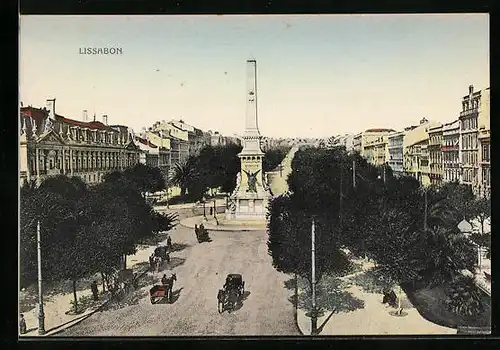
x=169 y=243
x=152 y=261
x=22 y=324
x=95 y=292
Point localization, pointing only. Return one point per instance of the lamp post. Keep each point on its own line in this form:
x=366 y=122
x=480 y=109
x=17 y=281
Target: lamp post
x=425 y=209
x=41 y=315
x=314 y=315
x=204 y=212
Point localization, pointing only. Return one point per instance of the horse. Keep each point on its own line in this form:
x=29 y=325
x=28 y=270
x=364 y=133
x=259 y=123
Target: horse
x=226 y=299
x=158 y=261
x=169 y=284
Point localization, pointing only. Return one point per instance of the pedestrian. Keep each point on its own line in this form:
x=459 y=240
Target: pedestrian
x=169 y=242
x=22 y=324
x=95 y=293
x=152 y=260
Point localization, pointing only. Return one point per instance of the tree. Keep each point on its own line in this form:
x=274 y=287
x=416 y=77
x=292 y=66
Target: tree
x=183 y=175
x=481 y=210
x=64 y=244
x=145 y=178
x=273 y=157
x=289 y=242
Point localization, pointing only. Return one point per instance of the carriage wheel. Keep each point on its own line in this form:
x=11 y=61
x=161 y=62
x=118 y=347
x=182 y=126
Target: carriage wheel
x=152 y=300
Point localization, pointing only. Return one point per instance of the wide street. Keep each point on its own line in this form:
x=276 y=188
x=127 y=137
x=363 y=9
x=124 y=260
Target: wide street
x=201 y=271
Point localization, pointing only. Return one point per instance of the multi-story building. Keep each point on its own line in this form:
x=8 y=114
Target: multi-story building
x=416 y=161
x=346 y=141
x=469 y=143
x=51 y=144
x=451 y=151
x=373 y=145
x=435 y=153
x=179 y=141
x=357 y=143
x=395 y=148
x=484 y=175
x=415 y=150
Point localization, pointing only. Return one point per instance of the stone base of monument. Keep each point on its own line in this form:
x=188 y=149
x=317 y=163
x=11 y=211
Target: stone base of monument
x=221 y=224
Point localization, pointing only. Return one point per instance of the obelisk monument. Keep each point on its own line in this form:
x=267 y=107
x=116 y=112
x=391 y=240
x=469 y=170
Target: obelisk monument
x=251 y=195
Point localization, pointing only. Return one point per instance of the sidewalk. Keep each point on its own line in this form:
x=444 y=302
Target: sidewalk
x=56 y=306
x=353 y=310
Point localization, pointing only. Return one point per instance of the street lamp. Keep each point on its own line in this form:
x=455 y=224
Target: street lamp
x=41 y=314
x=314 y=313
x=204 y=212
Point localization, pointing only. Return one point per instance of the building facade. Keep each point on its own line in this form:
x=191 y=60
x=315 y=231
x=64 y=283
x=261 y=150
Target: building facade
x=436 y=154
x=469 y=142
x=484 y=175
x=451 y=152
x=357 y=143
x=373 y=145
x=395 y=149
x=51 y=144
x=416 y=161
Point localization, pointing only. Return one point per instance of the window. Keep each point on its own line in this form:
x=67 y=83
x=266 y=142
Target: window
x=486 y=153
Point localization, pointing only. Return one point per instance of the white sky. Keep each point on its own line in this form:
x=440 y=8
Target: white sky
x=317 y=75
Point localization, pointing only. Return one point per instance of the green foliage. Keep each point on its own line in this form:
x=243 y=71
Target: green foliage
x=213 y=167
x=85 y=231
x=381 y=217
x=273 y=157
x=289 y=242
x=145 y=178
x=464 y=297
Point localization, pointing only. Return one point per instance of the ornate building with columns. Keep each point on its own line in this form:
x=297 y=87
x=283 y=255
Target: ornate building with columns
x=51 y=144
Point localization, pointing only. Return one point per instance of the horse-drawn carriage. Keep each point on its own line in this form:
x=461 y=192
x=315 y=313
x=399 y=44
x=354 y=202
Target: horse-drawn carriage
x=162 y=252
x=163 y=290
x=231 y=293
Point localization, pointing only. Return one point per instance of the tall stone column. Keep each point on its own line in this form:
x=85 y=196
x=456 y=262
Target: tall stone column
x=71 y=161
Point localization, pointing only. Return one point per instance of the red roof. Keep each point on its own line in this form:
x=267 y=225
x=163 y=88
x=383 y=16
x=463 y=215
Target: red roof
x=380 y=130
x=40 y=114
x=35 y=113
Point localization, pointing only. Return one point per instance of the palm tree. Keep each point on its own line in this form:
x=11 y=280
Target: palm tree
x=182 y=176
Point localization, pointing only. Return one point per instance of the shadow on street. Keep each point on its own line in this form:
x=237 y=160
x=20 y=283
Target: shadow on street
x=239 y=303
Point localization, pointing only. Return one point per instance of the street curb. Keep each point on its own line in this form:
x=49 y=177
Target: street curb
x=83 y=317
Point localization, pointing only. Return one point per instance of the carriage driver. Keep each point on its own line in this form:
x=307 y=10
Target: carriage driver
x=164 y=280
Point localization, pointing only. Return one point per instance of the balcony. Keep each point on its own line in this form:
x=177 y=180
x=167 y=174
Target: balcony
x=468 y=112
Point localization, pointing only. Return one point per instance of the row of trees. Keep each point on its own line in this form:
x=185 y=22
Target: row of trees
x=216 y=167
x=87 y=230
x=410 y=232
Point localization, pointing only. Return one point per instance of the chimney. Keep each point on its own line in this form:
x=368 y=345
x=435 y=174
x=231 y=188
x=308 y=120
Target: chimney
x=105 y=119
x=471 y=89
x=51 y=106
x=85 y=115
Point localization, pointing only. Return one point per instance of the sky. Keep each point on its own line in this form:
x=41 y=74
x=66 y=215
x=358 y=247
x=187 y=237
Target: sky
x=317 y=75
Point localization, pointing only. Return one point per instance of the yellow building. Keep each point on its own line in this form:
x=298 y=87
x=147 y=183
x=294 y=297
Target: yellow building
x=373 y=144
x=415 y=151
